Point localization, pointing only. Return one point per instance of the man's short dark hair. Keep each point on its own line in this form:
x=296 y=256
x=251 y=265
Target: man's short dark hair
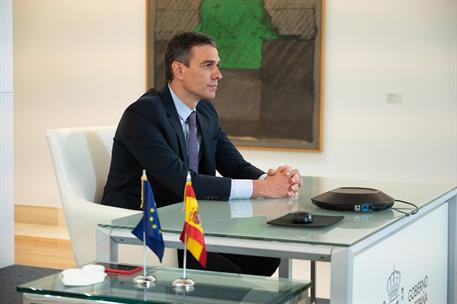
x=180 y=49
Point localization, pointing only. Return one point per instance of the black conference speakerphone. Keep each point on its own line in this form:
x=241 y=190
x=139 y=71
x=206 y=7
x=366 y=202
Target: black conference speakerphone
x=356 y=199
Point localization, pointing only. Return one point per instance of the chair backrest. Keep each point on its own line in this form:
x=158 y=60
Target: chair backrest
x=81 y=160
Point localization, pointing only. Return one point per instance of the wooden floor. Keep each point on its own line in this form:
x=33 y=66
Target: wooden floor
x=43 y=246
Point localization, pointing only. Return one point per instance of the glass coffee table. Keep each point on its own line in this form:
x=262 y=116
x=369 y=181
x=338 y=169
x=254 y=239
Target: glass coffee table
x=211 y=287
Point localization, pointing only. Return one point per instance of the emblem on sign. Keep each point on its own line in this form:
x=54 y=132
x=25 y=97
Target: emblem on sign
x=395 y=292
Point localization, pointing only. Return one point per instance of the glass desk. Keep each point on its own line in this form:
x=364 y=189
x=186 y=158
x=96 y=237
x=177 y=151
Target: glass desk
x=211 y=287
x=240 y=227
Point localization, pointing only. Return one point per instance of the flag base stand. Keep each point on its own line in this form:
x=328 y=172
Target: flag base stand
x=183 y=284
x=144 y=281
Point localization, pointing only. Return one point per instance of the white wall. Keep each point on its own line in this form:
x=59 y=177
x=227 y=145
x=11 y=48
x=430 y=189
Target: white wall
x=76 y=63
x=373 y=48
x=82 y=62
x=6 y=135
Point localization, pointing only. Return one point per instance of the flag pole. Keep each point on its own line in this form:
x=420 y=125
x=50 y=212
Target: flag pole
x=143 y=178
x=144 y=254
x=184 y=284
x=185 y=257
x=144 y=281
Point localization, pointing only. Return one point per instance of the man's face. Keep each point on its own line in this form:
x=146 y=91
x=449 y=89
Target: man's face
x=201 y=78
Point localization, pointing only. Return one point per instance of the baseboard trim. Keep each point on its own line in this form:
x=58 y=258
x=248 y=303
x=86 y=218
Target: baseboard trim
x=40 y=215
x=43 y=252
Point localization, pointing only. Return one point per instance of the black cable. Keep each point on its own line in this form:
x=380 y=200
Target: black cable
x=408 y=203
x=398 y=210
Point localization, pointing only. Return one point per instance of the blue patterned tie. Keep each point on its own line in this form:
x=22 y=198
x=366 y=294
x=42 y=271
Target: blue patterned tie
x=192 y=142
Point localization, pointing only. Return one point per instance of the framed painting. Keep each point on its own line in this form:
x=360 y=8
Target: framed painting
x=271 y=62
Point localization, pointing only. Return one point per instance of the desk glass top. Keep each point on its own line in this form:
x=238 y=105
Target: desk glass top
x=247 y=219
x=211 y=287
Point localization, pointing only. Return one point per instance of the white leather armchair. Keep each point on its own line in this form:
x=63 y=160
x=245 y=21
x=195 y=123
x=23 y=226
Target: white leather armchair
x=81 y=158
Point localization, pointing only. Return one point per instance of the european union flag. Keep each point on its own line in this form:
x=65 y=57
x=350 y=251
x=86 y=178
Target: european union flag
x=150 y=221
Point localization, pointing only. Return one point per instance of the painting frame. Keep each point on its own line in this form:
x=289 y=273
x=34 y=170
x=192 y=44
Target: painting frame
x=263 y=125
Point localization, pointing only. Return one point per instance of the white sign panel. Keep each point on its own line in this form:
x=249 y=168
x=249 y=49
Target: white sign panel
x=409 y=267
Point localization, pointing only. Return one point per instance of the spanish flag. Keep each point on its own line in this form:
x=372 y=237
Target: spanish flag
x=193 y=229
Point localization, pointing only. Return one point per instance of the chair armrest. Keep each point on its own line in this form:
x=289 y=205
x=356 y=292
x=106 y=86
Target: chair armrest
x=82 y=219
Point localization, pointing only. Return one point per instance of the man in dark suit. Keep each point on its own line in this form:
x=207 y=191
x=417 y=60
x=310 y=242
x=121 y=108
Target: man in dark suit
x=156 y=133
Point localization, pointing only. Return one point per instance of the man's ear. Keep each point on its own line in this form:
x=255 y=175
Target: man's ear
x=177 y=68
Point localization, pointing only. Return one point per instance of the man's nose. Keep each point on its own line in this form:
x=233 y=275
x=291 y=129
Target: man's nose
x=217 y=73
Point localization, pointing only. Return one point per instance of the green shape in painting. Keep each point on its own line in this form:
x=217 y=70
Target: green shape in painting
x=239 y=28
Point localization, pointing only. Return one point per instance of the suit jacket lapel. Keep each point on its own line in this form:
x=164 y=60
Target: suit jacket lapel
x=174 y=120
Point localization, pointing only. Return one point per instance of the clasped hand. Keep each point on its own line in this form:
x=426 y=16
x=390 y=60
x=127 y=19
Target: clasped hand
x=283 y=181
x=292 y=176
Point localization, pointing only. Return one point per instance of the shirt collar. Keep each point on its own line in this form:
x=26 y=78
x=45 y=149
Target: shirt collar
x=182 y=109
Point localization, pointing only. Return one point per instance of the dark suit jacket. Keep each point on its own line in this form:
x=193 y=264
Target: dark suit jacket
x=150 y=136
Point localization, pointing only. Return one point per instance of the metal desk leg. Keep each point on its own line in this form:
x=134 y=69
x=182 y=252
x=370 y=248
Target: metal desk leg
x=313 y=281
x=285 y=269
x=106 y=249
x=452 y=251
x=341 y=276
